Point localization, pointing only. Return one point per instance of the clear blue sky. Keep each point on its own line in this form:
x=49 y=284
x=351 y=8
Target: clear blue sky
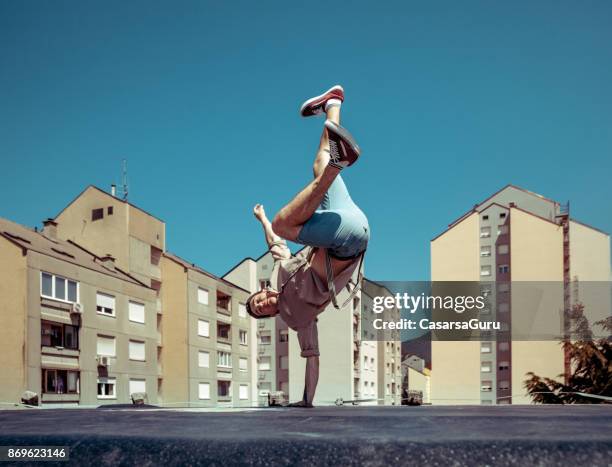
x=449 y=101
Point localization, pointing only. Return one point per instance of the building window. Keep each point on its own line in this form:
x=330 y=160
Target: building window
x=243 y=337
x=203 y=328
x=264 y=363
x=264 y=284
x=356 y=303
x=243 y=364
x=110 y=210
x=485 y=217
x=224 y=359
x=504 y=366
x=485 y=270
x=136 y=312
x=107 y=388
x=242 y=313
x=485 y=386
x=105 y=304
x=502 y=215
x=224 y=332
x=485 y=367
x=485 y=347
x=59 y=288
x=223 y=302
x=283 y=362
x=203 y=359
x=283 y=335
x=485 y=291
x=224 y=389
x=244 y=391
x=97 y=214
x=485 y=251
x=502 y=249
x=504 y=385
x=504 y=268
x=265 y=339
x=502 y=229
x=105 y=345
x=137 y=350
x=138 y=385
x=485 y=232
x=59 y=335
x=204 y=391
x=60 y=381
x=504 y=346
x=202 y=296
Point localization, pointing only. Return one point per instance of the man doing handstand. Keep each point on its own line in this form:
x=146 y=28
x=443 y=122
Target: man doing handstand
x=335 y=231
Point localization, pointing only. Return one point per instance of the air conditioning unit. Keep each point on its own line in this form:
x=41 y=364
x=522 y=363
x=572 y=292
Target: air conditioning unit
x=77 y=308
x=103 y=360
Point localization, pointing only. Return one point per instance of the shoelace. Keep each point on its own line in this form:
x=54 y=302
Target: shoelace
x=333 y=151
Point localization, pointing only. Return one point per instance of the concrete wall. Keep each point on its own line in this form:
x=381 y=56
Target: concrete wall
x=174 y=355
x=13 y=338
x=455 y=373
x=537 y=255
x=531 y=202
x=106 y=235
x=336 y=361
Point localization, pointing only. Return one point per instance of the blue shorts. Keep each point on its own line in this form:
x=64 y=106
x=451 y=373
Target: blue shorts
x=337 y=224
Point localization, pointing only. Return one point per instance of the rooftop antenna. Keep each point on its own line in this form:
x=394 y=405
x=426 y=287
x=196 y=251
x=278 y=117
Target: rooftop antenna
x=124 y=179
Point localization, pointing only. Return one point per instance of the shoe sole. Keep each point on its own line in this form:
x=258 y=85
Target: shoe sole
x=345 y=136
x=312 y=100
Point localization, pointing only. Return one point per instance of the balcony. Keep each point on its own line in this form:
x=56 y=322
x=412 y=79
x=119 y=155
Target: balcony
x=158 y=306
x=224 y=303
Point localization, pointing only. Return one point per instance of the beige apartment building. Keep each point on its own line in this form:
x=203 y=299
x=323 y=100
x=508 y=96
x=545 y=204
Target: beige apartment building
x=512 y=237
x=387 y=346
x=77 y=329
x=107 y=225
x=206 y=337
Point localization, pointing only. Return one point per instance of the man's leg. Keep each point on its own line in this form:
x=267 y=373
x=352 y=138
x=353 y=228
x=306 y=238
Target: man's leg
x=289 y=220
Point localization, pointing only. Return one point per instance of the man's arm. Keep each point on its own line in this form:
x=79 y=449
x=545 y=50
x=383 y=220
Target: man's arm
x=260 y=214
x=311 y=379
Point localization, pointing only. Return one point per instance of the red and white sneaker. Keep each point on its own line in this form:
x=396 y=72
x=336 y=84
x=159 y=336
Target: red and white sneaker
x=316 y=105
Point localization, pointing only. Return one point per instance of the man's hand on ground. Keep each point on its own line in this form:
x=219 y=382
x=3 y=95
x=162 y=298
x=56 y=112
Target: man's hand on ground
x=259 y=212
x=303 y=404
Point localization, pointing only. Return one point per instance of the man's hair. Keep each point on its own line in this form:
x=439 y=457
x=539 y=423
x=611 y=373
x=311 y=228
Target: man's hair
x=248 y=306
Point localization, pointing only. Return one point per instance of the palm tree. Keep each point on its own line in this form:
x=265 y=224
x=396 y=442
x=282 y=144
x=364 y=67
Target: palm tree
x=591 y=364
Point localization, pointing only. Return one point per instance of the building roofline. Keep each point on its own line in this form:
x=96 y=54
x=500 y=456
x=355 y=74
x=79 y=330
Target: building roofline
x=589 y=226
x=117 y=268
x=535 y=215
x=110 y=196
x=186 y=264
x=473 y=209
x=524 y=190
x=450 y=226
x=238 y=264
x=25 y=249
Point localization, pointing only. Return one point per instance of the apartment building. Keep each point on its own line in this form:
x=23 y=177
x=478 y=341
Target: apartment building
x=272 y=352
x=387 y=343
x=77 y=329
x=513 y=236
x=207 y=338
x=106 y=224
